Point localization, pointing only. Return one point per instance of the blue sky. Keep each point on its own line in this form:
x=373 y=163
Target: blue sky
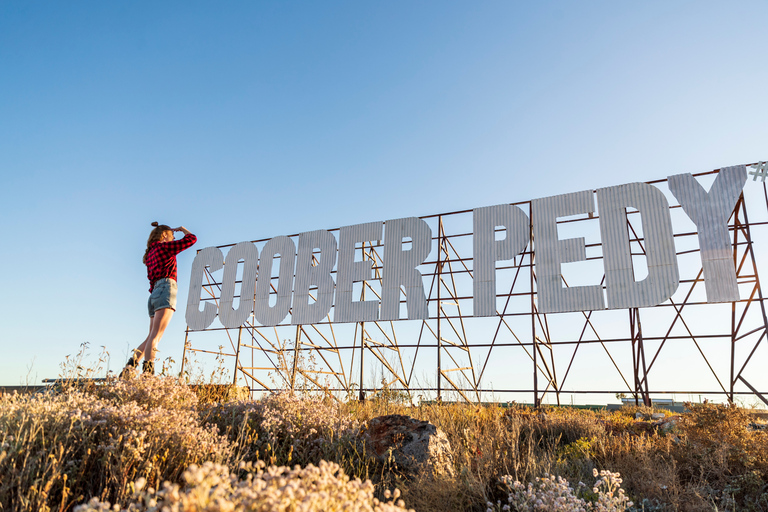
x=246 y=120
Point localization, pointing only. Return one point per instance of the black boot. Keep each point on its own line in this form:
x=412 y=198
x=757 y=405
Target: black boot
x=130 y=367
x=148 y=368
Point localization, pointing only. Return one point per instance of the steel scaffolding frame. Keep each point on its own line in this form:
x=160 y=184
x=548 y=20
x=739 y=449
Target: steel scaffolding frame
x=462 y=351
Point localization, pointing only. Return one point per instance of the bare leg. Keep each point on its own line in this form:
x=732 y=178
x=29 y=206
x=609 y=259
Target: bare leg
x=138 y=352
x=143 y=345
x=159 y=323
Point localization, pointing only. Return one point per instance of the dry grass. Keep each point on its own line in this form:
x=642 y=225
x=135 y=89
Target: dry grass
x=215 y=487
x=711 y=459
x=97 y=445
x=58 y=449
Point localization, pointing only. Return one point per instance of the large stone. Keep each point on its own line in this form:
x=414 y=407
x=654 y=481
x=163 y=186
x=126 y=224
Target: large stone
x=414 y=445
x=667 y=424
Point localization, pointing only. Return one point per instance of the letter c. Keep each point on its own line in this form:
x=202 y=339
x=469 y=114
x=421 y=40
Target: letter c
x=197 y=320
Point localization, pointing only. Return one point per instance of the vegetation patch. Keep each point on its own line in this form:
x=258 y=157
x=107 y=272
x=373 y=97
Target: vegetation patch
x=153 y=444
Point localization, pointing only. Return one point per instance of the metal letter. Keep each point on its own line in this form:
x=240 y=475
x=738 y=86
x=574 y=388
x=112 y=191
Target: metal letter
x=400 y=267
x=308 y=274
x=285 y=248
x=551 y=253
x=228 y=316
x=710 y=212
x=351 y=271
x=487 y=250
x=663 y=276
x=212 y=258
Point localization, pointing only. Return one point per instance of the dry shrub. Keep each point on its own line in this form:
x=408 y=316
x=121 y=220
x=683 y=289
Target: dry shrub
x=424 y=492
x=488 y=442
x=492 y=441
x=58 y=449
x=720 y=458
x=218 y=393
x=645 y=462
x=212 y=487
x=41 y=437
x=555 y=493
x=148 y=393
x=562 y=426
x=718 y=444
x=283 y=428
x=711 y=457
x=467 y=427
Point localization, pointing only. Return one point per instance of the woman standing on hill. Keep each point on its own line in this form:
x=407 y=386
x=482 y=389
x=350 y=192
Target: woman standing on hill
x=160 y=258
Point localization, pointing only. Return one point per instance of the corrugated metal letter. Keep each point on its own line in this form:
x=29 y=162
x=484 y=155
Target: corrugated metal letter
x=486 y=250
x=551 y=253
x=266 y=315
x=198 y=320
x=400 y=267
x=710 y=212
x=663 y=277
x=228 y=316
x=350 y=271
x=318 y=275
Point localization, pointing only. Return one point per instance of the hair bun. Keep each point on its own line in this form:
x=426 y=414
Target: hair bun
x=155 y=224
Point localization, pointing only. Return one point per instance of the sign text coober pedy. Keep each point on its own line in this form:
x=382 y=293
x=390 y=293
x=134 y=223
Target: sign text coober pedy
x=298 y=273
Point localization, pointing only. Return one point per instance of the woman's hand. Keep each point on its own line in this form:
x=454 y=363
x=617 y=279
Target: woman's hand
x=182 y=229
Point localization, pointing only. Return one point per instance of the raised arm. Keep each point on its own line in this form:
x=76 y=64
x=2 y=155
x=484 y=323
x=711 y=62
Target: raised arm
x=176 y=246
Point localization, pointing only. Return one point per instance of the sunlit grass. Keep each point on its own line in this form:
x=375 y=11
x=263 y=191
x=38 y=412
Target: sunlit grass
x=158 y=442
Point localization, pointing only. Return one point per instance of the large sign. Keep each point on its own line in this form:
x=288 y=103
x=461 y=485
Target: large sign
x=575 y=296
x=307 y=291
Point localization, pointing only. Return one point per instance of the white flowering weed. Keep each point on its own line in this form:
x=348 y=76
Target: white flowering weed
x=214 y=488
x=285 y=427
x=555 y=494
x=56 y=447
x=150 y=393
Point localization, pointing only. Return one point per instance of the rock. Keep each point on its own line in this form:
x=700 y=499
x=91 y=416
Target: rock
x=658 y=416
x=642 y=427
x=414 y=445
x=667 y=424
x=639 y=416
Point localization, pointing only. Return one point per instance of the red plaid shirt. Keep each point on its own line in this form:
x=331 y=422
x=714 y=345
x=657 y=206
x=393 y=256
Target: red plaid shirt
x=161 y=258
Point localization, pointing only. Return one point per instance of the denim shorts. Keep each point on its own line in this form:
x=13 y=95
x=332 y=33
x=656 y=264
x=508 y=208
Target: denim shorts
x=163 y=295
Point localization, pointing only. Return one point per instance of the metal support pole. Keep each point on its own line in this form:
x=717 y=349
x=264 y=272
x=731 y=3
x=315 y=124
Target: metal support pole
x=736 y=224
x=533 y=321
x=361 y=395
x=237 y=354
x=184 y=352
x=639 y=368
x=751 y=250
x=733 y=352
x=635 y=363
x=439 y=306
x=295 y=357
